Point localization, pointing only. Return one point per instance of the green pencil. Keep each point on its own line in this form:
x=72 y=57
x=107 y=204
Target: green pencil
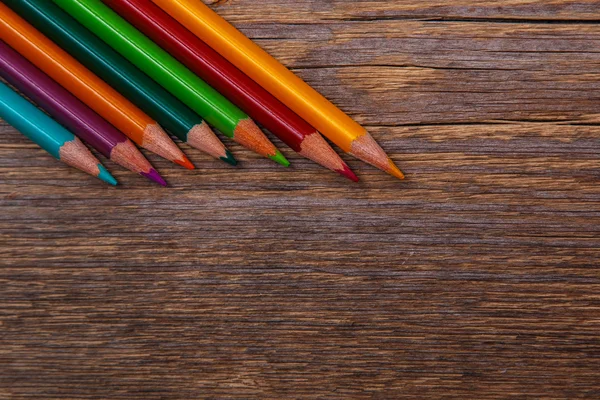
x=171 y=74
x=49 y=134
x=119 y=73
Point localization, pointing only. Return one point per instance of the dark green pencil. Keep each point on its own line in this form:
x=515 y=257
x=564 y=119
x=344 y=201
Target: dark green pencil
x=123 y=76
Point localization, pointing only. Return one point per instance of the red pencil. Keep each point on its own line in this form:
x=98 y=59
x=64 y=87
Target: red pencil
x=230 y=81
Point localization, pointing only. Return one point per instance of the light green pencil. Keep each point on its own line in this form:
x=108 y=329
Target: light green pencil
x=49 y=134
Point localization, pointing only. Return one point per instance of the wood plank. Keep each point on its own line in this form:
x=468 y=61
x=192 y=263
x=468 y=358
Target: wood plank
x=475 y=278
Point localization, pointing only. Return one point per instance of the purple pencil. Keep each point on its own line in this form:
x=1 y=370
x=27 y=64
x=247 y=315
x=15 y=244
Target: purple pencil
x=70 y=112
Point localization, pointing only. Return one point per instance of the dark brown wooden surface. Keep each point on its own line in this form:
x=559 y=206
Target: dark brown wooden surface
x=477 y=278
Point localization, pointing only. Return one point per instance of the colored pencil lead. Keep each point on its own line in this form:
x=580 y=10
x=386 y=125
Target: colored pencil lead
x=394 y=170
x=280 y=159
x=347 y=172
x=314 y=147
x=203 y=138
x=185 y=162
x=366 y=149
x=106 y=176
x=153 y=175
x=229 y=158
x=249 y=135
x=126 y=154
x=158 y=141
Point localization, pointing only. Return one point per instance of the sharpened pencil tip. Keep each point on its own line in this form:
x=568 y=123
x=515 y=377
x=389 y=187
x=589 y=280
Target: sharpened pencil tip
x=154 y=176
x=365 y=148
x=347 y=172
x=395 y=171
x=229 y=159
x=280 y=159
x=185 y=162
x=105 y=176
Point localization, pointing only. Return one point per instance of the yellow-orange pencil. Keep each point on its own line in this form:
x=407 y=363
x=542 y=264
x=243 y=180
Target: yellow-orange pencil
x=281 y=82
x=86 y=86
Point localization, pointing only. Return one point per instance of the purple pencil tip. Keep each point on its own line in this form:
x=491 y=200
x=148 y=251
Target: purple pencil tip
x=154 y=176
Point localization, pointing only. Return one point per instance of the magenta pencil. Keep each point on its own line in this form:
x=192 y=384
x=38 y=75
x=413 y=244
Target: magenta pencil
x=72 y=113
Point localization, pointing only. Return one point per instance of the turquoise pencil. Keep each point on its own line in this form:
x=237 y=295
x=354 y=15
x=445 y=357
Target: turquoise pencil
x=49 y=134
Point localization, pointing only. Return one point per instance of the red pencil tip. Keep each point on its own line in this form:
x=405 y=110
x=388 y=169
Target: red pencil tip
x=185 y=162
x=347 y=172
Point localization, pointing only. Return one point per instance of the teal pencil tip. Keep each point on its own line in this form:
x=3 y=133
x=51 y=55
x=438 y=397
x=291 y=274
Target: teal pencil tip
x=106 y=176
x=280 y=159
x=229 y=159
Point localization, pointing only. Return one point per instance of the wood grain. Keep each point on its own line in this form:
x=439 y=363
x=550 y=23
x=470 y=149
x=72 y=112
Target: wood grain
x=477 y=278
x=318 y=11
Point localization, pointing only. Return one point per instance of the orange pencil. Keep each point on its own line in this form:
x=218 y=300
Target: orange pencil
x=90 y=89
x=280 y=81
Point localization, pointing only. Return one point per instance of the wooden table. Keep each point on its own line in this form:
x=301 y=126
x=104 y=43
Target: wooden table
x=477 y=278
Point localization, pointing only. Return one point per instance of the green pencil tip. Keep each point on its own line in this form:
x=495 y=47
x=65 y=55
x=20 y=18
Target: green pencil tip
x=229 y=159
x=280 y=159
x=106 y=176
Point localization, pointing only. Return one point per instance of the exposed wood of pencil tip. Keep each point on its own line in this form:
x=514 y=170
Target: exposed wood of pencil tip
x=366 y=149
x=157 y=141
x=75 y=154
x=202 y=137
x=315 y=148
x=249 y=135
x=128 y=156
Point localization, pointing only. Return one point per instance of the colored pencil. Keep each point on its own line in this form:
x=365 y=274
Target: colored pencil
x=230 y=81
x=281 y=82
x=73 y=114
x=49 y=134
x=90 y=89
x=171 y=74
x=123 y=76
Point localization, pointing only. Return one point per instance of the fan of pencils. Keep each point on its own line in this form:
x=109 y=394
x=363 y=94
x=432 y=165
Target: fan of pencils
x=120 y=73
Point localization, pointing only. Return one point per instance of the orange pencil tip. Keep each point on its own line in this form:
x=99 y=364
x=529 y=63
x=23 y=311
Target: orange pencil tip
x=185 y=162
x=395 y=171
